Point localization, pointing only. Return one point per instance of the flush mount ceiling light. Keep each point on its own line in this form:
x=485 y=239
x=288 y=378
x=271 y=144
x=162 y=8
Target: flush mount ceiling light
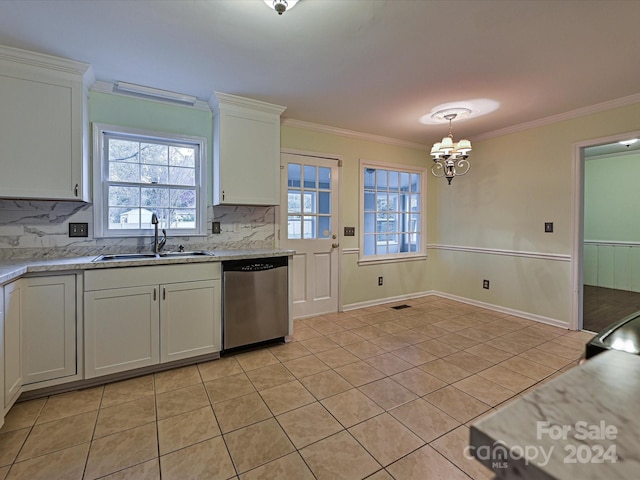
x=281 y=6
x=450 y=157
x=626 y=143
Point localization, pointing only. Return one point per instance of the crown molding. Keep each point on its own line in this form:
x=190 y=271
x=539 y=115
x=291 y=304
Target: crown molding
x=110 y=88
x=226 y=99
x=560 y=117
x=290 y=122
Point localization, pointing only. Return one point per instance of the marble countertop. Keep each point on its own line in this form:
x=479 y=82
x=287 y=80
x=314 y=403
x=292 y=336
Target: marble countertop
x=583 y=424
x=15 y=268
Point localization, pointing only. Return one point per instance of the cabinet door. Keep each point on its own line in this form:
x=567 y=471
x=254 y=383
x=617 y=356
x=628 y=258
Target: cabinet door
x=190 y=319
x=121 y=330
x=49 y=328
x=12 y=342
x=41 y=128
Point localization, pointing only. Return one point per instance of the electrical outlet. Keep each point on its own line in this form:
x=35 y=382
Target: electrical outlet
x=548 y=227
x=485 y=284
x=215 y=227
x=349 y=231
x=380 y=281
x=78 y=229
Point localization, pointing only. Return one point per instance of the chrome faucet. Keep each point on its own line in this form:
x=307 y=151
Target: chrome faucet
x=157 y=245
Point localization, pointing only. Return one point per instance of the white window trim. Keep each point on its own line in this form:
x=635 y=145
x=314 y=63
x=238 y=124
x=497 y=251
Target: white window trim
x=393 y=257
x=100 y=171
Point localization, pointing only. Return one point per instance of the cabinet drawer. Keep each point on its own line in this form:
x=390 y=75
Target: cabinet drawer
x=150 y=275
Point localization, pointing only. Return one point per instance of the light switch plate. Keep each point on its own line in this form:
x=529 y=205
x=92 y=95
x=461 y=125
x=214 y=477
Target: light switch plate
x=215 y=227
x=349 y=231
x=548 y=227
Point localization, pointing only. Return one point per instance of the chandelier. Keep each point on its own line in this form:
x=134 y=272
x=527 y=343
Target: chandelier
x=450 y=157
x=281 y=6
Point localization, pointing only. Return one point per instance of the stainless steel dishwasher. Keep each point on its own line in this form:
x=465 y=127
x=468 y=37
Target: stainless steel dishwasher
x=255 y=301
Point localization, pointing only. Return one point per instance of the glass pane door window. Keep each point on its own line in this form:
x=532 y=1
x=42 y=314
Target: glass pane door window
x=308 y=201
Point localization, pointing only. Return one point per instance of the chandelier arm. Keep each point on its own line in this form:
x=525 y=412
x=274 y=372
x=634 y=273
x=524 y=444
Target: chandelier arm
x=438 y=170
x=464 y=165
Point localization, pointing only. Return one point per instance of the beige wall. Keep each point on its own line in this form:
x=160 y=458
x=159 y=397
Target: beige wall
x=517 y=182
x=486 y=225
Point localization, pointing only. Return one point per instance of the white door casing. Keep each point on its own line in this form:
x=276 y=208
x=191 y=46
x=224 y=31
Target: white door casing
x=309 y=224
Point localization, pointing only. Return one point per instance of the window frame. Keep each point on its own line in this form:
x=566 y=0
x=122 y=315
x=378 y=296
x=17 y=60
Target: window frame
x=101 y=181
x=421 y=252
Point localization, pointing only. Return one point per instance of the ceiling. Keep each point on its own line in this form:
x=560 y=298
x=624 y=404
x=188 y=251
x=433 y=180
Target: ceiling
x=372 y=66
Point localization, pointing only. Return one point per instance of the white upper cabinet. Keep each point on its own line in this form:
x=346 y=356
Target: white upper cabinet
x=246 y=151
x=43 y=126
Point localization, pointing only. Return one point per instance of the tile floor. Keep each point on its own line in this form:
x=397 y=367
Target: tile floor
x=375 y=393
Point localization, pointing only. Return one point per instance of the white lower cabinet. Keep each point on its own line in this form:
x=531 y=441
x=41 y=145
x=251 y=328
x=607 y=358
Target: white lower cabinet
x=184 y=308
x=121 y=329
x=12 y=343
x=161 y=314
x=49 y=328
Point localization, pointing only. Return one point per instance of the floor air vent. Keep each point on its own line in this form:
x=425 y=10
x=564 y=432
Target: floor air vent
x=401 y=307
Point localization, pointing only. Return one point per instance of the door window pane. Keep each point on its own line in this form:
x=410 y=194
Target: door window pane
x=310 y=195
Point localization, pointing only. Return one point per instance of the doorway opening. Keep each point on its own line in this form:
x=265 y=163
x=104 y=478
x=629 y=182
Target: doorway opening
x=607 y=234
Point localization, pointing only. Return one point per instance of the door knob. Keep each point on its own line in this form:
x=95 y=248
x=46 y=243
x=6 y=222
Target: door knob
x=335 y=245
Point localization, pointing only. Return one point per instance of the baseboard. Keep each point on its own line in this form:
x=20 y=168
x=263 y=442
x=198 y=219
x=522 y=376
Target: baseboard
x=489 y=306
x=380 y=301
x=510 y=311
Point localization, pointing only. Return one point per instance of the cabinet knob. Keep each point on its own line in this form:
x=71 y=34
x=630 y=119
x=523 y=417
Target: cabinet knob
x=75 y=190
x=154 y=294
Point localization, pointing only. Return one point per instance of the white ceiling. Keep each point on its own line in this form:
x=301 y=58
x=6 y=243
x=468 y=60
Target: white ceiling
x=373 y=66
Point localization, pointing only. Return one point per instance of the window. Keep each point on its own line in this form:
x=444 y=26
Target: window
x=392 y=216
x=138 y=173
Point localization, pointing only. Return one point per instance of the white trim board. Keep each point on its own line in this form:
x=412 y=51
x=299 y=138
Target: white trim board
x=499 y=251
x=496 y=308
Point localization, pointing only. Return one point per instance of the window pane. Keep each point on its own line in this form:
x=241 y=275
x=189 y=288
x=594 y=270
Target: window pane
x=154 y=154
x=309 y=202
x=309 y=176
x=393 y=181
x=324 y=202
x=119 y=218
x=124 y=196
x=294 y=173
x=369 y=244
x=324 y=178
x=393 y=202
x=382 y=179
x=324 y=227
x=123 y=150
x=182 y=198
x=369 y=223
x=369 y=200
x=415 y=182
x=182 y=218
x=182 y=157
x=294 y=227
x=381 y=202
x=154 y=198
x=369 y=178
x=309 y=227
x=182 y=176
x=404 y=181
x=124 y=172
x=381 y=248
x=294 y=201
x=154 y=174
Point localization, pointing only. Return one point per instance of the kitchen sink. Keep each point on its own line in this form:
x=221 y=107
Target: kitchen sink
x=142 y=256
